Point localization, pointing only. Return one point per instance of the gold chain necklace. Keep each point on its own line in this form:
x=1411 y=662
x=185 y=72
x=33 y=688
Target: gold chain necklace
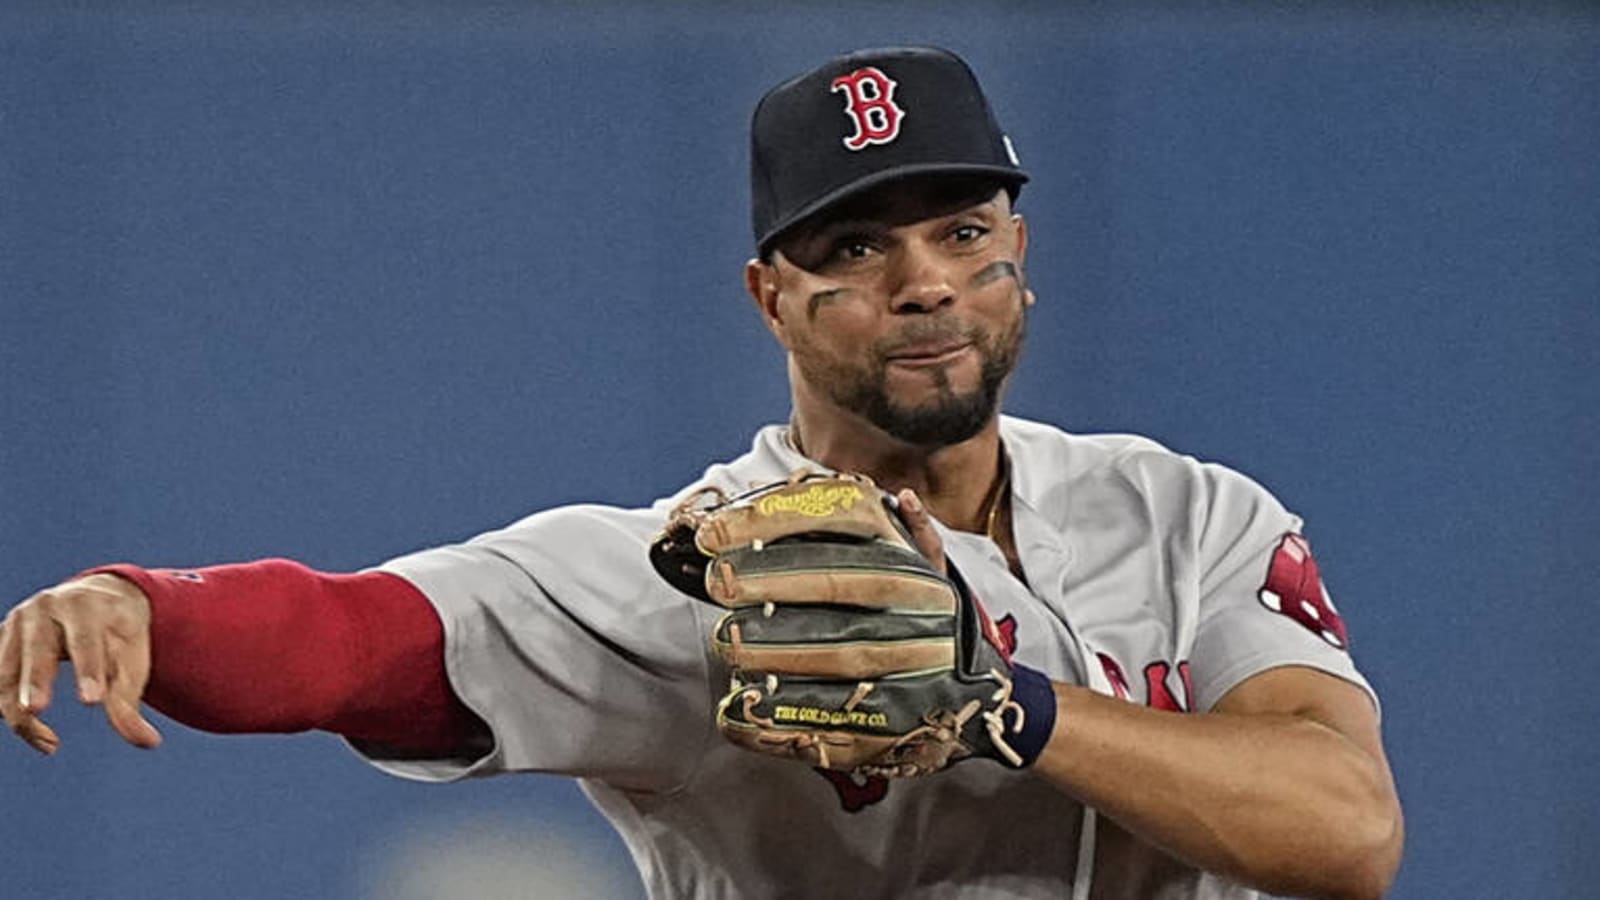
x=996 y=500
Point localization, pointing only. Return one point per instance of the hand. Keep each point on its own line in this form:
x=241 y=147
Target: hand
x=920 y=524
x=101 y=624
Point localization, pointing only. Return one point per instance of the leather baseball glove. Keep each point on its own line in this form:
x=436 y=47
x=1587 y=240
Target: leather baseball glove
x=849 y=650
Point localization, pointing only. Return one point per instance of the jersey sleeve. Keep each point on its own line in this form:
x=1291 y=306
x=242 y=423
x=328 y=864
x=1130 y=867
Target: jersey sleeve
x=559 y=635
x=1262 y=600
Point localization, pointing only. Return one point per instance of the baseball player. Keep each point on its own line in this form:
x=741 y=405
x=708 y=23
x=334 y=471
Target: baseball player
x=1113 y=669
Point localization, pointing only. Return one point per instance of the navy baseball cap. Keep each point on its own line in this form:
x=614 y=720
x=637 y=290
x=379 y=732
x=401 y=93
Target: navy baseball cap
x=863 y=119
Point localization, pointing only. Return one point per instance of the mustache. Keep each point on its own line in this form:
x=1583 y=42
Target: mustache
x=920 y=332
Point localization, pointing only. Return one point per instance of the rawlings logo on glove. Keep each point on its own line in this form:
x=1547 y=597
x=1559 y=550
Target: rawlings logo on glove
x=815 y=501
x=849 y=649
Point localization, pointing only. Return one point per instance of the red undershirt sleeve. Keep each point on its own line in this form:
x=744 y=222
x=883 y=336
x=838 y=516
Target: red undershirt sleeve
x=274 y=646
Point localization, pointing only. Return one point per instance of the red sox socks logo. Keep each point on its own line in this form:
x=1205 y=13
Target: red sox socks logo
x=1294 y=589
x=869 y=102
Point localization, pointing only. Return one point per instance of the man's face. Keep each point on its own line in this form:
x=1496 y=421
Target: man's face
x=904 y=305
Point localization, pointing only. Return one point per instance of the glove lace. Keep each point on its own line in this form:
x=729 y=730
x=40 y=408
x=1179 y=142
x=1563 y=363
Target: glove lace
x=994 y=719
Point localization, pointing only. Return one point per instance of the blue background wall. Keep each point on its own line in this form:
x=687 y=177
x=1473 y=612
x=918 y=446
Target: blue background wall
x=336 y=281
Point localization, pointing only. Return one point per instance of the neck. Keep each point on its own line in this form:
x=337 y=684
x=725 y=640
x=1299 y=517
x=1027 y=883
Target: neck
x=958 y=483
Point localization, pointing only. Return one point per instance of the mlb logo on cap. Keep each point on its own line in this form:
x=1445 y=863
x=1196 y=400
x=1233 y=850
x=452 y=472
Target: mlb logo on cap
x=864 y=119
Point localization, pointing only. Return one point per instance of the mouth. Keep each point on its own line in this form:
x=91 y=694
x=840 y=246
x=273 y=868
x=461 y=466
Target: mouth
x=927 y=355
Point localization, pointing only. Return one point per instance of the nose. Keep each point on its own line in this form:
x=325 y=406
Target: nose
x=922 y=279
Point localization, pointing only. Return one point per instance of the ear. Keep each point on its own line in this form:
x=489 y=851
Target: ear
x=761 y=283
x=1020 y=225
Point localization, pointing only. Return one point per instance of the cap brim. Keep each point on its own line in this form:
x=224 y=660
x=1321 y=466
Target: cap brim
x=1001 y=174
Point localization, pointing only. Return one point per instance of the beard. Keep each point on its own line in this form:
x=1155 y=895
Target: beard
x=950 y=417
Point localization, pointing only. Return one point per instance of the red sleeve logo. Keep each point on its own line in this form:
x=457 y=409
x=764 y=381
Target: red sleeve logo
x=1294 y=589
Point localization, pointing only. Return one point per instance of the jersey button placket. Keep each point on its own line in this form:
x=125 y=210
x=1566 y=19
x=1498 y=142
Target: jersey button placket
x=1047 y=559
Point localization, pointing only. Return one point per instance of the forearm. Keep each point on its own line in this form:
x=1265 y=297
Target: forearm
x=1281 y=802
x=274 y=646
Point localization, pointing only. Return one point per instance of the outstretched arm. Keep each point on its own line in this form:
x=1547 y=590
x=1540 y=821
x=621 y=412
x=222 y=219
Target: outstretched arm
x=270 y=646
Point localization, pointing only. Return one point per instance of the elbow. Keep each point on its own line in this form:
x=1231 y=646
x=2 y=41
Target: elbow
x=1370 y=857
x=1366 y=837
x=1360 y=874
x=1374 y=871
x=1357 y=848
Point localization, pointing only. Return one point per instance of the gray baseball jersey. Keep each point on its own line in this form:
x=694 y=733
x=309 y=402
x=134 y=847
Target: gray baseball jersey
x=1149 y=575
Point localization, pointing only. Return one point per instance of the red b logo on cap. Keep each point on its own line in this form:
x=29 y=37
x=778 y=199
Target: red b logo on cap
x=869 y=101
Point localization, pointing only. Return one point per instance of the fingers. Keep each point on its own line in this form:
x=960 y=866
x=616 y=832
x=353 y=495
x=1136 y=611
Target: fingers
x=17 y=697
x=41 y=656
x=86 y=649
x=127 y=678
x=920 y=524
x=126 y=720
x=36 y=733
x=101 y=624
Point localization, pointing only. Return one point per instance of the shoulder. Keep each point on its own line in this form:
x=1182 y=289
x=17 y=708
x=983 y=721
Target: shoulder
x=1043 y=456
x=597 y=526
x=1042 y=445
x=771 y=458
x=1049 y=464
x=583 y=522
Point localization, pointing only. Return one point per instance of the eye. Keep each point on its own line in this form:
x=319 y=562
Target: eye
x=966 y=234
x=852 y=248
